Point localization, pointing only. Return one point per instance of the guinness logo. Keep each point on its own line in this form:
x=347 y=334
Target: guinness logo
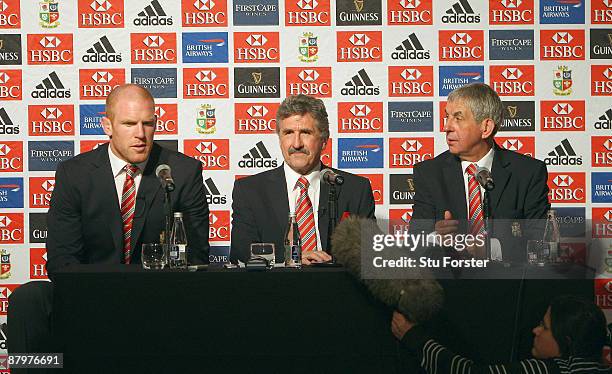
x=512 y=110
x=256 y=77
x=358 y=5
x=410 y=183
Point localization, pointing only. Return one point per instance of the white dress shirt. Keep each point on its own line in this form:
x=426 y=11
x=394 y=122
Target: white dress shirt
x=485 y=162
x=117 y=167
x=314 y=178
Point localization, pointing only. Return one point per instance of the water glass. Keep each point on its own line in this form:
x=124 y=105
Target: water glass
x=153 y=256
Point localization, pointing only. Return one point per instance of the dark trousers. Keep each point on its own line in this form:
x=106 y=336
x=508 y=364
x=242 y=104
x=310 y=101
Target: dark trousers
x=29 y=320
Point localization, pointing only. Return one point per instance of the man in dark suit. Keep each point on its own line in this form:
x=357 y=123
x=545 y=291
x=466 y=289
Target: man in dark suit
x=105 y=204
x=442 y=185
x=261 y=203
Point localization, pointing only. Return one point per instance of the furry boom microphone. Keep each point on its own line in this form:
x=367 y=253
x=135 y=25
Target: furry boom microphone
x=417 y=299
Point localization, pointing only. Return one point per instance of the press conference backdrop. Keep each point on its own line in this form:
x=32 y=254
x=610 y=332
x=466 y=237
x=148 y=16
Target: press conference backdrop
x=218 y=70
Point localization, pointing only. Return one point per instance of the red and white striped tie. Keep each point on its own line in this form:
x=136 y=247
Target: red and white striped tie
x=475 y=208
x=128 y=202
x=305 y=217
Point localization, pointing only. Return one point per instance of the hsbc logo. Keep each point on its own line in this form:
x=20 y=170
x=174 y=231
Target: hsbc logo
x=250 y=48
x=466 y=46
x=46 y=120
x=522 y=144
x=213 y=154
x=211 y=83
x=50 y=42
x=513 y=80
x=153 y=48
x=563 y=115
x=96 y=84
x=11 y=157
x=601 y=12
x=204 y=13
x=11 y=228
x=40 y=191
x=10 y=85
x=10 y=14
x=307 y=13
x=45 y=49
x=602 y=224
x=409 y=12
x=101 y=14
x=219 y=229
x=562 y=45
x=601 y=150
x=563 y=180
x=359 y=47
x=601 y=80
x=566 y=187
x=255 y=118
x=357 y=117
x=314 y=81
x=167 y=119
x=406 y=82
x=399 y=220
x=406 y=152
x=511 y=12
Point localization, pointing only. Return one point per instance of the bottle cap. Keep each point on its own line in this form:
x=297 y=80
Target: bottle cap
x=178 y=214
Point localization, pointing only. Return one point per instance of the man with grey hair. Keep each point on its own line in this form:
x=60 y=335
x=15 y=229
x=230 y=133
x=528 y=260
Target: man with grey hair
x=447 y=197
x=261 y=203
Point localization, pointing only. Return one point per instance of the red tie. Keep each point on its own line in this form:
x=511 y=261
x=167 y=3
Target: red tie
x=128 y=202
x=305 y=217
x=475 y=208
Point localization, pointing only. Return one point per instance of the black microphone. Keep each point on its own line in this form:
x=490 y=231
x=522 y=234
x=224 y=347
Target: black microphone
x=163 y=172
x=330 y=177
x=483 y=176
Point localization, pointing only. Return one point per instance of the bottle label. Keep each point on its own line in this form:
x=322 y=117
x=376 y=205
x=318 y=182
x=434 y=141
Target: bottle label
x=174 y=252
x=296 y=253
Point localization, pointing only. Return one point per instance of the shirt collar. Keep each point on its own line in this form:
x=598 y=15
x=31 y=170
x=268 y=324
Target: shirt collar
x=292 y=177
x=118 y=164
x=485 y=162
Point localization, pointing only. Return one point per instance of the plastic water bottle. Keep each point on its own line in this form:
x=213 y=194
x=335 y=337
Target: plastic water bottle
x=293 y=244
x=178 y=243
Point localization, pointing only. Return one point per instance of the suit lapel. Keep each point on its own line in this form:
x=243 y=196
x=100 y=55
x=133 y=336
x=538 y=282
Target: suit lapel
x=453 y=178
x=501 y=174
x=148 y=189
x=106 y=192
x=277 y=194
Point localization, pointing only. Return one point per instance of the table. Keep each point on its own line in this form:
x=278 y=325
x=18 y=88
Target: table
x=117 y=318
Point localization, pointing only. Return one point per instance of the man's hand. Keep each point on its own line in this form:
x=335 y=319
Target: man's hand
x=448 y=225
x=400 y=325
x=310 y=257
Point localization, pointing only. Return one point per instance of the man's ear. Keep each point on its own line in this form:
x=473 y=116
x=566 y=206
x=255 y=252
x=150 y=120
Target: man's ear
x=488 y=127
x=107 y=126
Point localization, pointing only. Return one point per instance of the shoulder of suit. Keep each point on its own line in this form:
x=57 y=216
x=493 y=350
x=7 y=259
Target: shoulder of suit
x=521 y=161
x=83 y=160
x=259 y=178
x=436 y=162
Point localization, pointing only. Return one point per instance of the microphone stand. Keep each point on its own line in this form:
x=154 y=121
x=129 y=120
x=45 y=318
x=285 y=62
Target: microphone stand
x=332 y=207
x=486 y=214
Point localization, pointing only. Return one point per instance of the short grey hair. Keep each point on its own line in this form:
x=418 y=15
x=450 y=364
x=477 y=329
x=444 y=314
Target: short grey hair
x=483 y=101
x=302 y=105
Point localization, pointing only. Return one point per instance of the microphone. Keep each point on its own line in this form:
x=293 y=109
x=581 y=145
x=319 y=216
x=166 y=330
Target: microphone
x=330 y=177
x=417 y=299
x=483 y=176
x=163 y=172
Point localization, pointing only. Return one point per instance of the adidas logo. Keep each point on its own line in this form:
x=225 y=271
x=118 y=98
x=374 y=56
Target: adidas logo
x=7 y=127
x=360 y=84
x=461 y=12
x=604 y=122
x=102 y=51
x=410 y=49
x=51 y=88
x=213 y=196
x=257 y=157
x=563 y=154
x=153 y=15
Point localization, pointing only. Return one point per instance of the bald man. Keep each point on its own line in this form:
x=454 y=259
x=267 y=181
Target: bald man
x=92 y=190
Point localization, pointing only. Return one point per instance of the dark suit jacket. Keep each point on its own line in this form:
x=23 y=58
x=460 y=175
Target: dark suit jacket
x=84 y=221
x=261 y=209
x=521 y=192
